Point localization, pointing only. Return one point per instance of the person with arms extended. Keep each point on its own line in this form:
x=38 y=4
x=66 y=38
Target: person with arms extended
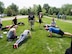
x=22 y=37
x=55 y=30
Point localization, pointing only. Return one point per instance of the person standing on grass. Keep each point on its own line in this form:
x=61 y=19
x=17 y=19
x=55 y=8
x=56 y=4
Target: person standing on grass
x=31 y=19
x=14 y=21
x=1 y=28
x=22 y=37
x=40 y=18
x=11 y=35
x=55 y=30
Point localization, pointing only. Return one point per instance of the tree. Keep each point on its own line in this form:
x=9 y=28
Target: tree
x=9 y=11
x=50 y=11
x=12 y=9
x=23 y=11
x=46 y=7
x=66 y=8
x=1 y=7
x=35 y=9
x=39 y=9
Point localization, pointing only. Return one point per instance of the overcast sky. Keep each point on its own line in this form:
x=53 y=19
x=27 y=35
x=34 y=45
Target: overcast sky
x=29 y=3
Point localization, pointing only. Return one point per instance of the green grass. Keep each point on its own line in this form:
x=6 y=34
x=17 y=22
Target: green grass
x=40 y=43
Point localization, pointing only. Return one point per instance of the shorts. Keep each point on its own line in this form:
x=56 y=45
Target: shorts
x=40 y=21
x=31 y=22
x=61 y=32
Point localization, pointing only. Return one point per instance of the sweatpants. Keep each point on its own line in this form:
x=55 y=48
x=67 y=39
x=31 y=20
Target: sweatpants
x=22 y=38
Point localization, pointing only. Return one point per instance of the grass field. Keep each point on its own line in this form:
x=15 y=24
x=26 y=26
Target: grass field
x=40 y=43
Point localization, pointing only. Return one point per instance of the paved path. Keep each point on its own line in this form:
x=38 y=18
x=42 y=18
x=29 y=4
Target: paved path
x=69 y=21
x=20 y=17
x=10 y=18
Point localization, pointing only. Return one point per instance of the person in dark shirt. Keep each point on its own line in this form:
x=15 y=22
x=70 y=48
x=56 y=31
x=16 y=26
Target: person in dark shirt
x=14 y=21
x=31 y=19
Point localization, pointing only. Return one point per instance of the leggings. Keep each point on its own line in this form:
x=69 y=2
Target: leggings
x=22 y=37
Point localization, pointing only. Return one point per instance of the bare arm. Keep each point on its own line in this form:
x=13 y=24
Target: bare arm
x=50 y=33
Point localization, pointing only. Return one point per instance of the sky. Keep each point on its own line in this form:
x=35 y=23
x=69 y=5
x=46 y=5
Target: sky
x=29 y=3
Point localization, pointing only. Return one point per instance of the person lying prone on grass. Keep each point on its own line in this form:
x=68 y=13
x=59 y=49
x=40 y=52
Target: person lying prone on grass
x=22 y=37
x=55 y=30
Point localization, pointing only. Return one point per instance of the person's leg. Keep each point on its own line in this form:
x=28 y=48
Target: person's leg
x=40 y=23
x=32 y=24
x=22 y=37
x=67 y=33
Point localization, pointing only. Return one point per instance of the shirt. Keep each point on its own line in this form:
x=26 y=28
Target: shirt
x=10 y=33
x=31 y=17
x=54 y=30
x=26 y=32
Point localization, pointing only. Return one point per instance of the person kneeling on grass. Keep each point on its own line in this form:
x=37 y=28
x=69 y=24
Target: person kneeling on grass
x=11 y=35
x=55 y=30
x=23 y=36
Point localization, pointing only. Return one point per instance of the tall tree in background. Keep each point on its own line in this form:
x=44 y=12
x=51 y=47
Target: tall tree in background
x=12 y=10
x=1 y=7
x=39 y=9
x=46 y=7
x=66 y=8
x=23 y=11
x=35 y=9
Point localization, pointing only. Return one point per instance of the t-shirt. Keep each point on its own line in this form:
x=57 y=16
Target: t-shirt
x=54 y=30
x=26 y=32
x=31 y=17
x=10 y=33
x=53 y=23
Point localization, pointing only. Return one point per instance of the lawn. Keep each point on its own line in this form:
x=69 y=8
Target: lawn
x=40 y=43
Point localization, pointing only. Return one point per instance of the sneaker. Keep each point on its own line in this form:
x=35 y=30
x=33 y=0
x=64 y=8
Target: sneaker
x=1 y=36
x=15 y=46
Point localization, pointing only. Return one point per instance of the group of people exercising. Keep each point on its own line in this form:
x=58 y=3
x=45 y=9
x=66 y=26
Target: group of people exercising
x=52 y=28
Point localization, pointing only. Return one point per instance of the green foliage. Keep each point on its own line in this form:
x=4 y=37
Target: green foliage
x=24 y=11
x=12 y=10
x=39 y=9
x=66 y=9
x=1 y=7
x=46 y=7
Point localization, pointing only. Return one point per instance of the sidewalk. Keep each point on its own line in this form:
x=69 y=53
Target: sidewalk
x=69 y=21
x=10 y=18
